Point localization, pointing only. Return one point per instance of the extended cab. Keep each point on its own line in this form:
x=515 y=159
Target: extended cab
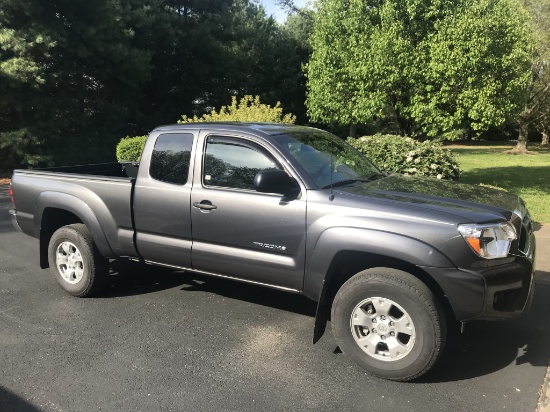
x=390 y=259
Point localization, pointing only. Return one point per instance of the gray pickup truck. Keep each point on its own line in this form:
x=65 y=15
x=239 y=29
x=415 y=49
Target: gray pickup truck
x=390 y=259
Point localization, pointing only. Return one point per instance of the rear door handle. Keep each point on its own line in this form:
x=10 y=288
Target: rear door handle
x=205 y=205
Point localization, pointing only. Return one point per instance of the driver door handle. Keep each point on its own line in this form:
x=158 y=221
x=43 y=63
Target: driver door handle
x=205 y=205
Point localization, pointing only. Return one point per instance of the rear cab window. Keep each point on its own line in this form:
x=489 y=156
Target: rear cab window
x=170 y=158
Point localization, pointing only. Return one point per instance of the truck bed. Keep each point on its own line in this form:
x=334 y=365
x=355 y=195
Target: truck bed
x=115 y=169
x=99 y=195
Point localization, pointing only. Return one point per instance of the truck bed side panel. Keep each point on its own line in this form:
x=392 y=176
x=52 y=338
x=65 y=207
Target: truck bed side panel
x=102 y=203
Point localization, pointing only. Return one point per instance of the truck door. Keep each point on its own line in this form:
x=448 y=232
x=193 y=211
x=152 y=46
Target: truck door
x=162 y=200
x=237 y=231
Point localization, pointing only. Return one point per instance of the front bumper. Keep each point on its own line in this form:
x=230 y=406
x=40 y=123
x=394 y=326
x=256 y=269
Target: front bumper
x=13 y=214
x=493 y=293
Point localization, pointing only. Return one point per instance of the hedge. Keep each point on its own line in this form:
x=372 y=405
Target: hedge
x=405 y=155
x=130 y=148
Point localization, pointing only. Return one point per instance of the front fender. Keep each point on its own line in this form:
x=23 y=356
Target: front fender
x=391 y=245
x=339 y=239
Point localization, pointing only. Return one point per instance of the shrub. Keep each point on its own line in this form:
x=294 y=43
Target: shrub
x=408 y=156
x=249 y=109
x=130 y=148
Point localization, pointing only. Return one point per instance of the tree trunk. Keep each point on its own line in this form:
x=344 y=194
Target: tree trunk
x=523 y=137
x=353 y=129
x=545 y=134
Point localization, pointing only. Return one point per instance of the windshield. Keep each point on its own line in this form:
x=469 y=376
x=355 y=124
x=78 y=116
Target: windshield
x=327 y=159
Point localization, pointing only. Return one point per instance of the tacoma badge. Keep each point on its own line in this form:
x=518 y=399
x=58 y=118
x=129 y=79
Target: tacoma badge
x=268 y=246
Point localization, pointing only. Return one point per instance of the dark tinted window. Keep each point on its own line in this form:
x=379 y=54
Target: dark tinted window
x=170 y=159
x=232 y=163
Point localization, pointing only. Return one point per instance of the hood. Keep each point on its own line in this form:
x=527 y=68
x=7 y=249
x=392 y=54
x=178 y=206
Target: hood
x=475 y=203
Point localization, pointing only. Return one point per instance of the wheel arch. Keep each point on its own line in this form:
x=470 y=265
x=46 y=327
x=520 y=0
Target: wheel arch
x=55 y=210
x=364 y=249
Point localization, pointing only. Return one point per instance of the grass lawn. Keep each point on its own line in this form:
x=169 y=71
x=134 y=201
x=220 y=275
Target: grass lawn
x=526 y=175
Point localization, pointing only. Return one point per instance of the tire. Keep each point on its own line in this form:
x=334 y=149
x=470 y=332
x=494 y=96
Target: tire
x=389 y=323
x=75 y=261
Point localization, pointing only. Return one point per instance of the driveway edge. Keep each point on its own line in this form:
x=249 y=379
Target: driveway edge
x=544 y=398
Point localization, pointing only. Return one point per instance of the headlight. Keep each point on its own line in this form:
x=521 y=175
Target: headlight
x=490 y=241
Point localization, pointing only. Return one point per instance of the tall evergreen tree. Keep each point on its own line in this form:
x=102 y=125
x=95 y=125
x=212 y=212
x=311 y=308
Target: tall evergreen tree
x=71 y=70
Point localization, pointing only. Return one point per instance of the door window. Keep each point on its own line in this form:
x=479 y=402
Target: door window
x=233 y=163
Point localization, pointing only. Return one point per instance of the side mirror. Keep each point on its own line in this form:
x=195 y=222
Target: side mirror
x=276 y=181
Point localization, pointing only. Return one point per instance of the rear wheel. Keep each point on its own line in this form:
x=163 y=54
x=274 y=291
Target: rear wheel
x=75 y=262
x=389 y=323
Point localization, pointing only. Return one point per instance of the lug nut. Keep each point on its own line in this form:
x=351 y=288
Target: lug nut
x=373 y=330
x=382 y=317
x=382 y=337
x=374 y=320
x=392 y=333
x=392 y=323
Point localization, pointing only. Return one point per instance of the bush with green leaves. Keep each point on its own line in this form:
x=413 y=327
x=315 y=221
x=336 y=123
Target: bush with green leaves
x=248 y=109
x=405 y=155
x=129 y=148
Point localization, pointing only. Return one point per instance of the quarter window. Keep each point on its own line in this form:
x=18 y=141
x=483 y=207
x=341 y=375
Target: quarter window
x=170 y=158
x=233 y=163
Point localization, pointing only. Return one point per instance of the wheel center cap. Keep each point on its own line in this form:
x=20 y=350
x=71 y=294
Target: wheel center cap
x=382 y=328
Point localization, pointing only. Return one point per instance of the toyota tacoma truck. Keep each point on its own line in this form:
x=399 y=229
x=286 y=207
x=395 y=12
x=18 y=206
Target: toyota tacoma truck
x=391 y=260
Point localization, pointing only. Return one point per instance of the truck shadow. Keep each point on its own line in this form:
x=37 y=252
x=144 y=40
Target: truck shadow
x=132 y=278
x=484 y=348
x=10 y=401
x=129 y=278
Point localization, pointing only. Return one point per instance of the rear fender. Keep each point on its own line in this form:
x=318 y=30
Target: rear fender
x=75 y=206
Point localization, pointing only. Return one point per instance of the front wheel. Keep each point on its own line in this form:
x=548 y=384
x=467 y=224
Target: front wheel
x=389 y=323
x=75 y=262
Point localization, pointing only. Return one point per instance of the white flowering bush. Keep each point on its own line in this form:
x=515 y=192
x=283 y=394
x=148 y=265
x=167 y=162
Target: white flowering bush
x=404 y=155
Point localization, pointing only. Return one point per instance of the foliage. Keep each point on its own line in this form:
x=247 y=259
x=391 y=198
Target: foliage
x=486 y=46
x=536 y=109
x=400 y=154
x=130 y=148
x=70 y=69
x=427 y=67
x=248 y=109
x=76 y=75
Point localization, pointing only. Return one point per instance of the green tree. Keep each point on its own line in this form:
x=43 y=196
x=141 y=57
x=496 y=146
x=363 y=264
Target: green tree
x=364 y=59
x=297 y=51
x=69 y=69
x=248 y=109
x=77 y=75
x=473 y=68
x=423 y=66
x=536 y=109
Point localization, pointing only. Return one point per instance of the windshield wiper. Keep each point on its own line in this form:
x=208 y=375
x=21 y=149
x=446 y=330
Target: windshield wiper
x=345 y=182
